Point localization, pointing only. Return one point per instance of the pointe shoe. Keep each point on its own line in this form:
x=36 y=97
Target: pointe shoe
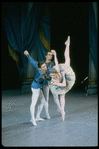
x=67 y=41
x=33 y=122
x=39 y=119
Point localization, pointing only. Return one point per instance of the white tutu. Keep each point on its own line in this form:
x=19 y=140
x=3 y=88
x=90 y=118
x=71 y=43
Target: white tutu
x=70 y=80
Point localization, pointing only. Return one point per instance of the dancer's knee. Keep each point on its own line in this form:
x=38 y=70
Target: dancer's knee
x=43 y=101
x=46 y=102
x=56 y=100
x=32 y=107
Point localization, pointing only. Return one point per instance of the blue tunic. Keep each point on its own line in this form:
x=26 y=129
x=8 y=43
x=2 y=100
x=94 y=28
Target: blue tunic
x=39 y=79
x=49 y=66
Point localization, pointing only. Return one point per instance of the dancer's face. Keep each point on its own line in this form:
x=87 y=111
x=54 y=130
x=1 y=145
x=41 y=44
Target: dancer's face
x=43 y=67
x=49 y=56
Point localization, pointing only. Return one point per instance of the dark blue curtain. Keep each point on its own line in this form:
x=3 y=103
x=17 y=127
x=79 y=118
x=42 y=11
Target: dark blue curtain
x=22 y=22
x=93 y=36
x=45 y=29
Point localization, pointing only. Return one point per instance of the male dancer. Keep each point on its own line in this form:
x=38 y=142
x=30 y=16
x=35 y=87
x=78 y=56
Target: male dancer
x=49 y=63
x=36 y=86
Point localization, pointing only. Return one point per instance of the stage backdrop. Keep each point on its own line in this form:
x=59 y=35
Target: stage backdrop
x=27 y=26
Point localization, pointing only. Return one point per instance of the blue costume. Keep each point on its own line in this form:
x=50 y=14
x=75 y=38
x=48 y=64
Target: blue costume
x=49 y=66
x=40 y=78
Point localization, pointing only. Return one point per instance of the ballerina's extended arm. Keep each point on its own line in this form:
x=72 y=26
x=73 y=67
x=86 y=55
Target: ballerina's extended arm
x=66 y=53
x=55 y=60
x=63 y=84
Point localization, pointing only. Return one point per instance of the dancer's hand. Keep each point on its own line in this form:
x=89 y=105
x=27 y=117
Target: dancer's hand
x=67 y=41
x=53 y=52
x=26 y=53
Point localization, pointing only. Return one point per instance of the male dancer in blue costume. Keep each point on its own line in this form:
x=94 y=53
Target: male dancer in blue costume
x=36 y=86
x=49 y=63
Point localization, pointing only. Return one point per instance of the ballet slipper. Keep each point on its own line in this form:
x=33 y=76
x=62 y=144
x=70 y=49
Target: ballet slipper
x=39 y=119
x=48 y=117
x=67 y=41
x=33 y=122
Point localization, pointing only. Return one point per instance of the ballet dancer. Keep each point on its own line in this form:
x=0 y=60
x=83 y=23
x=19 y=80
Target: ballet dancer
x=49 y=63
x=40 y=76
x=63 y=78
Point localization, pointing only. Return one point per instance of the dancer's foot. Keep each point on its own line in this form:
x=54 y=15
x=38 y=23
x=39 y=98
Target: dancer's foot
x=33 y=122
x=67 y=41
x=63 y=116
x=39 y=119
x=48 y=117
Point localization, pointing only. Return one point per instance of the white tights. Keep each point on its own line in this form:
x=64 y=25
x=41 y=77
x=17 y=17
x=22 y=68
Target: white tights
x=61 y=104
x=46 y=95
x=35 y=96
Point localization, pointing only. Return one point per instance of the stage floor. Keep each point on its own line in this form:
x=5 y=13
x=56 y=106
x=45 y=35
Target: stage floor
x=80 y=127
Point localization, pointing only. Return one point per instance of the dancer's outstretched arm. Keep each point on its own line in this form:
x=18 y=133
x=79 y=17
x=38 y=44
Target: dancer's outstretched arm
x=55 y=60
x=31 y=60
x=63 y=84
x=66 y=53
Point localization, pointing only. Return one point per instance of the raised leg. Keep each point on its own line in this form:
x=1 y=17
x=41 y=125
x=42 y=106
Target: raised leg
x=66 y=53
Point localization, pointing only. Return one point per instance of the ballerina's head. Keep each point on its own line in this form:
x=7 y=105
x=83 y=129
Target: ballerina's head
x=53 y=73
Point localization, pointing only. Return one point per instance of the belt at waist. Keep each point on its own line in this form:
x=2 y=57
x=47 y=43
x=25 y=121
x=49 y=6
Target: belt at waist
x=41 y=82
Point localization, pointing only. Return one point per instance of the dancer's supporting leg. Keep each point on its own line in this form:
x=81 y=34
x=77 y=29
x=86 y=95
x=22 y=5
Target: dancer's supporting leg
x=40 y=107
x=62 y=101
x=66 y=53
x=56 y=100
x=46 y=95
x=35 y=95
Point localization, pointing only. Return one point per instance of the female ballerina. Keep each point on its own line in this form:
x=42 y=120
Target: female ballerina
x=63 y=78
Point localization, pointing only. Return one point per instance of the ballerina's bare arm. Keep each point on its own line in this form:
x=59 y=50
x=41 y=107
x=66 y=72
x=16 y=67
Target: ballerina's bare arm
x=55 y=59
x=63 y=84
